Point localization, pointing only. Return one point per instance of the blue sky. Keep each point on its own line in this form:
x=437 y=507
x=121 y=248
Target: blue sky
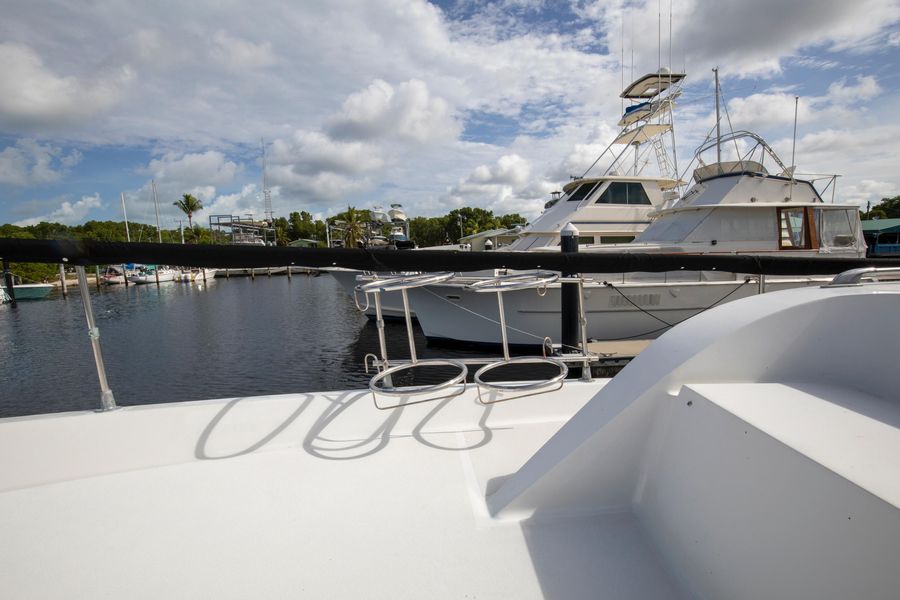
x=434 y=105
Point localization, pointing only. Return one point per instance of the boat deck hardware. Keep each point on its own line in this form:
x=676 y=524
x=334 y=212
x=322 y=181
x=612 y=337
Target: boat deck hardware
x=854 y=276
x=408 y=395
x=538 y=280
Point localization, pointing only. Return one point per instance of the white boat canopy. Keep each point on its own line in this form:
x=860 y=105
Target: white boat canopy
x=642 y=134
x=651 y=85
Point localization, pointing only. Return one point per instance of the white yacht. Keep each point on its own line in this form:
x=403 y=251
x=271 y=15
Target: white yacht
x=608 y=209
x=734 y=207
x=152 y=274
x=751 y=452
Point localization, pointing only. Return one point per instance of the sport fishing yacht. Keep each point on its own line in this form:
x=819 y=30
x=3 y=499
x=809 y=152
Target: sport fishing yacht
x=751 y=452
x=734 y=207
x=608 y=209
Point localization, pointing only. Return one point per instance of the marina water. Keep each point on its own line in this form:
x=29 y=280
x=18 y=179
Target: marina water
x=177 y=342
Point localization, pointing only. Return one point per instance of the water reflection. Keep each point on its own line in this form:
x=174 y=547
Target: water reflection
x=176 y=342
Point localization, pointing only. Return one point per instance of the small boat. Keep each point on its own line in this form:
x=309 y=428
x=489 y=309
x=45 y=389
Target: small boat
x=192 y=275
x=32 y=291
x=152 y=274
x=115 y=275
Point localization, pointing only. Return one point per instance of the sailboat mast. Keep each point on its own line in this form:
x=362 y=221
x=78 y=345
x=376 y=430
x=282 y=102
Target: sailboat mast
x=125 y=214
x=718 y=124
x=156 y=205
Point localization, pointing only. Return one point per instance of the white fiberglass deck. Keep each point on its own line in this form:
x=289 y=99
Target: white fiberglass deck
x=310 y=494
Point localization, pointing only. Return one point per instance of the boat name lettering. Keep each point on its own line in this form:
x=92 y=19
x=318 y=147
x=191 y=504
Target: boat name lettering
x=638 y=299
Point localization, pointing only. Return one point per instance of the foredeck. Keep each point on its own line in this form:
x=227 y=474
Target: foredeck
x=316 y=495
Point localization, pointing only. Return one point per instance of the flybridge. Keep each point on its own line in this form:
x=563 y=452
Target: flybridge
x=88 y=252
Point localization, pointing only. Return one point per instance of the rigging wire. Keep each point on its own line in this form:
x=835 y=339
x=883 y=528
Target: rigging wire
x=666 y=325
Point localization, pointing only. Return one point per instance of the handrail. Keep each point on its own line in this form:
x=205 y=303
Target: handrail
x=404 y=282
x=518 y=281
x=853 y=276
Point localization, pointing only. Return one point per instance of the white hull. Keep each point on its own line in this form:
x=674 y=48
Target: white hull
x=391 y=302
x=451 y=313
x=32 y=291
x=195 y=275
x=164 y=276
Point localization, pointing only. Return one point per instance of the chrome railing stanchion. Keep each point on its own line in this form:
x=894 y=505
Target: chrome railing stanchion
x=407 y=314
x=503 y=334
x=107 y=401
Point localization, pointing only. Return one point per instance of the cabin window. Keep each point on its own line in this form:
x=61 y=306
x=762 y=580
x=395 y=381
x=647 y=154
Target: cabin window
x=582 y=192
x=585 y=239
x=795 y=230
x=616 y=239
x=837 y=228
x=889 y=239
x=620 y=192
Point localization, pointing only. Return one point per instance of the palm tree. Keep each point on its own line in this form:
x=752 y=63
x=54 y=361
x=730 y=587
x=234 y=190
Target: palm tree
x=189 y=205
x=353 y=227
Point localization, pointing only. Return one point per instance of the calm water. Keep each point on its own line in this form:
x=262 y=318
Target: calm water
x=177 y=342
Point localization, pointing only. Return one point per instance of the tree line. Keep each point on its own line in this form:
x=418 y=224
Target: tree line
x=426 y=231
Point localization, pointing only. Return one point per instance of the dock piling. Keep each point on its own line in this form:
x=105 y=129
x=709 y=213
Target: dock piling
x=62 y=280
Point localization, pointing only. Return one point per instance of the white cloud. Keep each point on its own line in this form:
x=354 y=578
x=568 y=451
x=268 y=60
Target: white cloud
x=866 y=88
x=237 y=53
x=190 y=169
x=868 y=190
x=33 y=97
x=32 y=163
x=504 y=187
x=68 y=213
x=745 y=38
x=410 y=112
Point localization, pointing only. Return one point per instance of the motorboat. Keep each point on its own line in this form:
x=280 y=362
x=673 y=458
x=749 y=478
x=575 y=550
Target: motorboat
x=152 y=274
x=195 y=275
x=750 y=452
x=28 y=291
x=608 y=209
x=734 y=207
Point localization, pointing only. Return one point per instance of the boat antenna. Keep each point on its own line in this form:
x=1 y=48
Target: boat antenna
x=794 y=144
x=125 y=214
x=267 y=194
x=658 y=35
x=670 y=39
x=718 y=124
x=794 y=148
x=156 y=204
x=622 y=62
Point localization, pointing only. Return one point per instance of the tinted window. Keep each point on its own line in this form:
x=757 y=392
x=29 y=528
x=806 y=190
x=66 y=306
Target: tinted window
x=580 y=194
x=624 y=193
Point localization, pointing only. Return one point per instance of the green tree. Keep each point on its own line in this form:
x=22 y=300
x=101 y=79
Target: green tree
x=189 y=205
x=888 y=208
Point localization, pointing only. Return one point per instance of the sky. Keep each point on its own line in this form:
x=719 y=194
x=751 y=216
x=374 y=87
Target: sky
x=431 y=105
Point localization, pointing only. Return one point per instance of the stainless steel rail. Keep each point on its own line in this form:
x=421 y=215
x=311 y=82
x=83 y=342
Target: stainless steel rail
x=382 y=382
x=854 y=276
x=538 y=280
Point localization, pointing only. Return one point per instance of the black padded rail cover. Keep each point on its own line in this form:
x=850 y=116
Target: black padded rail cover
x=89 y=252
